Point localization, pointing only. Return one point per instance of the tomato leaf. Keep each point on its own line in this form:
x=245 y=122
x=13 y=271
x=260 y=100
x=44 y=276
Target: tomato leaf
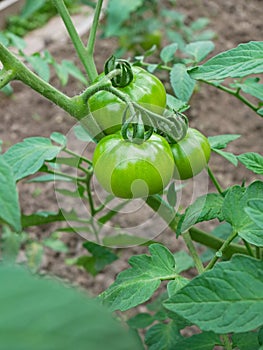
x=232 y=158
x=137 y=284
x=117 y=12
x=246 y=341
x=55 y=316
x=39 y=65
x=230 y=296
x=255 y=211
x=221 y=141
x=163 y=336
x=9 y=203
x=252 y=161
x=205 y=208
x=251 y=86
x=167 y=53
x=239 y=62
x=182 y=84
x=27 y=157
x=202 y=341
x=59 y=138
x=234 y=212
x=199 y=49
x=100 y=257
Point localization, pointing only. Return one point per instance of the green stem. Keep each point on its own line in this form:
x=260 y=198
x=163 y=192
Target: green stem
x=249 y=249
x=226 y=341
x=214 y=180
x=234 y=93
x=169 y=215
x=74 y=106
x=58 y=173
x=215 y=243
x=189 y=243
x=220 y=252
x=92 y=34
x=76 y=155
x=88 y=63
x=6 y=76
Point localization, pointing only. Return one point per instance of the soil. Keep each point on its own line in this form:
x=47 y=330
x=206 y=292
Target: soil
x=26 y=114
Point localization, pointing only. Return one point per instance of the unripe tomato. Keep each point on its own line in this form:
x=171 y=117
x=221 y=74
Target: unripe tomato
x=191 y=154
x=145 y=89
x=130 y=170
x=150 y=39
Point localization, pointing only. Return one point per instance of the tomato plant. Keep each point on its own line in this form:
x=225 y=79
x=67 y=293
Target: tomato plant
x=224 y=298
x=191 y=154
x=130 y=170
x=145 y=89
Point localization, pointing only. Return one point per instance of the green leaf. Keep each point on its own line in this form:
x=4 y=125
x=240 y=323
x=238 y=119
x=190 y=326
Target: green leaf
x=232 y=158
x=199 y=49
x=246 y=341
x=205 y=208
x=167 y=53
x=239 y=62
x=175 y=104
x=141 y=320
x=137 y=284
x=119 y=11
x=183 y=261
x=251 y=86
x=182 y=84
x=221 y=141
x=163 y=336
x=81 y=133
x=227 y=299
x=202 y=341
x=59 y=138
x=73 y=70
x=46 y=217
x=10 y=244
x=255 y=211
x=30 y=7
x=43 y=314
x=39 y=65
x=9 y=203
x=252 y=161
x=233 y=209
x=27 y=157
x=16 y=41
x=100 y=258
x=175 y=285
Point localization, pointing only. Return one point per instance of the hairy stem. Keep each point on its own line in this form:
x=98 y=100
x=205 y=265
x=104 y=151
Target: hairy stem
x=189 y=243
x=77 y=42
x=221 y=250
x=214 y=180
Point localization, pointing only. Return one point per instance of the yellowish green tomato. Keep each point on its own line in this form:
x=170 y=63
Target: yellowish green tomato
x=191 y=154
x=145 y=89
x=130 y=170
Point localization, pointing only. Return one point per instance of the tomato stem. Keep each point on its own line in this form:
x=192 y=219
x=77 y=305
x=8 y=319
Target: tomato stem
x=6 y=76
x=189 y=243
x=214 y=180
x=221 y=251
x=84 y=55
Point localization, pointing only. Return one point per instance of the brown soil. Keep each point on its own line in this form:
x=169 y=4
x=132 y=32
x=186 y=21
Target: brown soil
x=28 y=114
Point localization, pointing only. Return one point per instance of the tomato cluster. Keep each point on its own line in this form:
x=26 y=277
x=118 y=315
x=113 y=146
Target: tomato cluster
x=130 y=169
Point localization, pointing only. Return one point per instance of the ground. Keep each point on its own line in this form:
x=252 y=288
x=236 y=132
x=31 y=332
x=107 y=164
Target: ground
x=26 y=114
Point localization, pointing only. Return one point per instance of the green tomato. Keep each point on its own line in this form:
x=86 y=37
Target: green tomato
x=191 y=154
x=150 y=39
x=130 y=170
x=145 y=89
